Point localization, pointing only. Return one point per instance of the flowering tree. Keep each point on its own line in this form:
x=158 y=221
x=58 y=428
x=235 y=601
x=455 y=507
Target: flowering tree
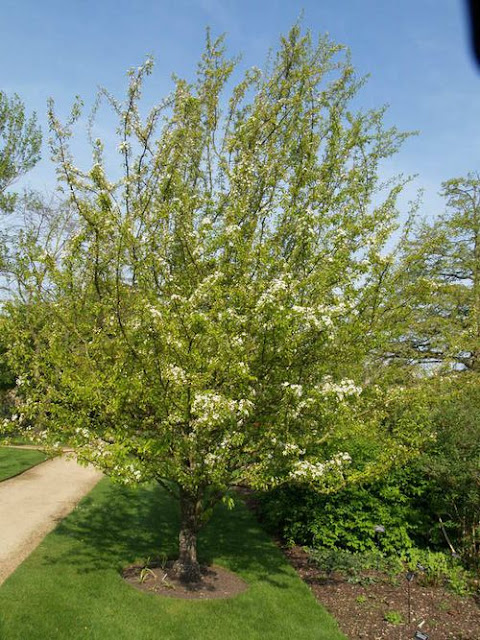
x=197 y=321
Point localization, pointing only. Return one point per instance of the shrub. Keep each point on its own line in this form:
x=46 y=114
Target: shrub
x=347 y=520
x=436 y=568
x=432 y=502
x=452 y=463
x=354 y=564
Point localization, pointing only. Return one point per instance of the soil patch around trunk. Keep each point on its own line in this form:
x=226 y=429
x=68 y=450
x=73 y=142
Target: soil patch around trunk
x=161 y=580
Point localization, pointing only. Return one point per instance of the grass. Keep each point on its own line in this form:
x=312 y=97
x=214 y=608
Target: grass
x=14 y=461
x=71 y=587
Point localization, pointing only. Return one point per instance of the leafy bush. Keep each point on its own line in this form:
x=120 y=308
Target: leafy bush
x=439 y=569
x=433 y=502
x=7 y=378
x=436 y=568
x=348 y=519
x=452 y=463
x=7 y=382
x=7 y=395
x=354 y=564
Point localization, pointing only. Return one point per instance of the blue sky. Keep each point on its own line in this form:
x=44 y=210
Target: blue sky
x=416 y=51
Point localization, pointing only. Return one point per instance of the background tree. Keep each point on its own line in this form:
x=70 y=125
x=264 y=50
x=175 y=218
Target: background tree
x=197 y=321
x=20 y=142
x=438 y=284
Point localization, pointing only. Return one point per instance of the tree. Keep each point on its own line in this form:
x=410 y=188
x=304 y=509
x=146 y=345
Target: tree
x=438 y=282
x=196 y=321
x=20 y=142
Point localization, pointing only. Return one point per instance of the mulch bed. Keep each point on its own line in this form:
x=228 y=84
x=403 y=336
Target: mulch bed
x=216 y=582
x=360 y=609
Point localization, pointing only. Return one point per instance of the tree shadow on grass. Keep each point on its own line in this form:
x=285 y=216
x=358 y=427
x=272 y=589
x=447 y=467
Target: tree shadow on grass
x=116 y=526
x=233 y=537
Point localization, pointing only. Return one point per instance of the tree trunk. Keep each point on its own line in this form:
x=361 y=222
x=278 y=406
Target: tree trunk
x=187 y=567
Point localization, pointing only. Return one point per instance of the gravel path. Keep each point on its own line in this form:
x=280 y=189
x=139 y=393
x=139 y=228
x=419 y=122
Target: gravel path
x=32 y=504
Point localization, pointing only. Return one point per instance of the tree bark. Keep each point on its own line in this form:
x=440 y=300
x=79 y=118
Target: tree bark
x=187 y=567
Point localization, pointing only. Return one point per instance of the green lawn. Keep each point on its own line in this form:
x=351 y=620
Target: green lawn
x=70 y=587
x=14 y=461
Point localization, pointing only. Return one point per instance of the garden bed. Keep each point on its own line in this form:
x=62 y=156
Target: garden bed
x=375 y=606
x=372 y=605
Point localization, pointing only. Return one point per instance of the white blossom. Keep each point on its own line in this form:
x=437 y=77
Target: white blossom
x=277 y=285
x=341 y=389
x=123 y=147
x=296 y=389
x=211 y=408
x=291 y=448
x=206 y=221
x=304 y=470
x=176 y=374
x=154 y=311
x=231 y=229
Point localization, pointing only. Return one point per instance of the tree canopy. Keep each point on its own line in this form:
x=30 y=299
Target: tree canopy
x=204 y=319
